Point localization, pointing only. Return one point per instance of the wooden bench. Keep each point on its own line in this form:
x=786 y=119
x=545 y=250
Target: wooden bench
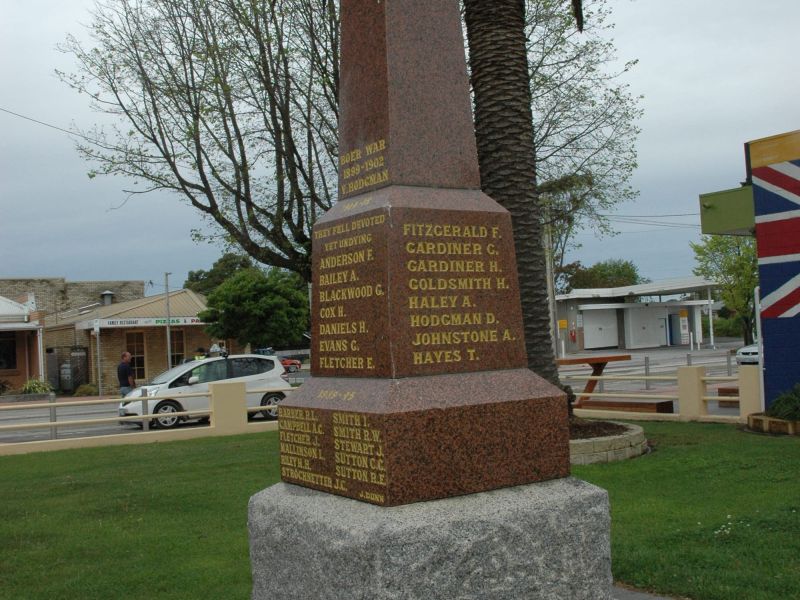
x=727 y=391
x=647 y=406
x=598 y=363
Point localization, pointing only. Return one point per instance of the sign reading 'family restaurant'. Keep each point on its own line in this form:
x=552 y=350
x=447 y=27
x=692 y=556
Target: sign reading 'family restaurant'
x=137 y=322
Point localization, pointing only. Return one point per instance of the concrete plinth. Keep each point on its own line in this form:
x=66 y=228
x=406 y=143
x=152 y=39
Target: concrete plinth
x=547 y=540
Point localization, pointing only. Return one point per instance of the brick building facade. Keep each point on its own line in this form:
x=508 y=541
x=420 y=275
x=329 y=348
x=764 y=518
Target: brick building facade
x=21 y=342
x=135 y=326
x=56 y=295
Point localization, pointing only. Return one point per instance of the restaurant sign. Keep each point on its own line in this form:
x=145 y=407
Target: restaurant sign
x=138 y=322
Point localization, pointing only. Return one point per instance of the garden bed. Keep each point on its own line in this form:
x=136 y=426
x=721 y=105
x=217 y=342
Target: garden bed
x=762 y=423
x=609 y=448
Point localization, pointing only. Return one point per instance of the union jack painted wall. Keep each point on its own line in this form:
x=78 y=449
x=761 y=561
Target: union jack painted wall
x=776 y=193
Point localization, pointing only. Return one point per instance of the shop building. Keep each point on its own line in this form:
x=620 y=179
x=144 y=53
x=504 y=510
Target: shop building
x=636 y=316
x=97 y=337
x=21 y=341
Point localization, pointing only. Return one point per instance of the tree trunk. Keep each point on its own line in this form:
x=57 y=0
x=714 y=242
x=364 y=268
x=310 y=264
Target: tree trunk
x=747 y=330
x=504 y=131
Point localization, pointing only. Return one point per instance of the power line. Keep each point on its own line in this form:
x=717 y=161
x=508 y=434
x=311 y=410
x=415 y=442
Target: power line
x=651 y=216
x=656 y=230
x=657 y=223
x=50 y=125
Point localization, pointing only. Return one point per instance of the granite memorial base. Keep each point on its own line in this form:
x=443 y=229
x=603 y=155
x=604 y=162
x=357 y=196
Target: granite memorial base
x=546 y=540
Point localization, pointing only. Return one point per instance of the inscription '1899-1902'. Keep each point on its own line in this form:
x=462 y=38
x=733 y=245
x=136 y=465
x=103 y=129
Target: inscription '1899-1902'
x=364 y=167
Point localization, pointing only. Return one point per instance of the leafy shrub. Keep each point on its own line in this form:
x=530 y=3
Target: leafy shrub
x=34 y=386
x=4 y=386
x=787 y=405
x=86 y=389
x=724 y=327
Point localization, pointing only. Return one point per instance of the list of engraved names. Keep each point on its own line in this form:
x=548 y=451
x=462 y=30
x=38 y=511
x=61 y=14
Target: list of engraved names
x=455 y=279
x=347 y=281
x=333 y=450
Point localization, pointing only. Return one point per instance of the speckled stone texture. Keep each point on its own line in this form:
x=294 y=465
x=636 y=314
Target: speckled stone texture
x=420 y=388
x=405 y=115
x=415 y=281
x=547 y=540
x=396 y=441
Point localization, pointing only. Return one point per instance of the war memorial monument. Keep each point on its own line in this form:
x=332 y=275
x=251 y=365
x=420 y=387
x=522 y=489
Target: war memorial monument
x=422 y=459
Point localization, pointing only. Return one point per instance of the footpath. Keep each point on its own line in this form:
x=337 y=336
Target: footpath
x=621 y=593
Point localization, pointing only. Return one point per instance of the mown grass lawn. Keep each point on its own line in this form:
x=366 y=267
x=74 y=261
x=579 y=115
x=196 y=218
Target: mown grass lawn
x=154 y=521
x=711 y=514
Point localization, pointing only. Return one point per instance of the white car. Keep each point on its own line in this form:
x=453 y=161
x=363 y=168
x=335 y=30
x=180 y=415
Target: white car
x=170 y=387
x=747 y=355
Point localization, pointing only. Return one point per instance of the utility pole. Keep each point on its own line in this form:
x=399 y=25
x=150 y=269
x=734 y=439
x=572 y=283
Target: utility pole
x=551 y=288
x=166 y=299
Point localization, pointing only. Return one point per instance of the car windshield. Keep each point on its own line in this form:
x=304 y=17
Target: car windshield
x=169 y=374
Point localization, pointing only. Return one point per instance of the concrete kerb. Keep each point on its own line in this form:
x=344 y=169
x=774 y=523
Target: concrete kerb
x=627 y=445
x=622 y=593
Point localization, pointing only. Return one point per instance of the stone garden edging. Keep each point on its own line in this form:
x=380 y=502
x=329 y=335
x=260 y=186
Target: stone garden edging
x=608 y=449
x=761 y=423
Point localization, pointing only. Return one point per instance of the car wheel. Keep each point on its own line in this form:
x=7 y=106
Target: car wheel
x=292 y=368
x=168 y=420
x=271 y=400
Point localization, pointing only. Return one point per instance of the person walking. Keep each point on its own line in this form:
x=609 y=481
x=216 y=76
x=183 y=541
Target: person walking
x=125 y=374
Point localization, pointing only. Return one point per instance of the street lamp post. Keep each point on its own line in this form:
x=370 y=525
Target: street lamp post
x=166 y=300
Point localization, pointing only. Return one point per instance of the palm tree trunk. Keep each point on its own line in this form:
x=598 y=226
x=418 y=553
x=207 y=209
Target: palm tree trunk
x=506 y=155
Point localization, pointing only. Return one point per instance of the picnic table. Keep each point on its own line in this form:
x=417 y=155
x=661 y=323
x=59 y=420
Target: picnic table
x=598 y=364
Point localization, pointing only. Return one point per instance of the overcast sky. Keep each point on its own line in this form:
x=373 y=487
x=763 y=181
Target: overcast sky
x=714 y=74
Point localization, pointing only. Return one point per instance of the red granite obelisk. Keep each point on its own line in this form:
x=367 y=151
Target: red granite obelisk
x=420 y=388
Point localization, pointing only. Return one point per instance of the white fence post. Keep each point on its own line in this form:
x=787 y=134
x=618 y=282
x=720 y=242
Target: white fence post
x=228 y=403
x=691 y=389
x=749 y=391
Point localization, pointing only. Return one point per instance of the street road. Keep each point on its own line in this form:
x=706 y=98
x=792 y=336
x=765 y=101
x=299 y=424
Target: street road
x=662 y=360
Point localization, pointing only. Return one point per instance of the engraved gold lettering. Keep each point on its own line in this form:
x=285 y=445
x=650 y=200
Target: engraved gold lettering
x=333 y=345
x=342 y=362
x=448 y=248
x=447 y=338
x=445 y=266
x=436 y=356
x=349 y=258
x=331 y=312
x=452 y=284
x=343 y=328
x=435 y=230
x=431 y=302
x=337 y=277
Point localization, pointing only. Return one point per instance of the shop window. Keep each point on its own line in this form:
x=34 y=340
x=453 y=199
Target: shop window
x=134 y=343
x=177 y=341
x=8 y=351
